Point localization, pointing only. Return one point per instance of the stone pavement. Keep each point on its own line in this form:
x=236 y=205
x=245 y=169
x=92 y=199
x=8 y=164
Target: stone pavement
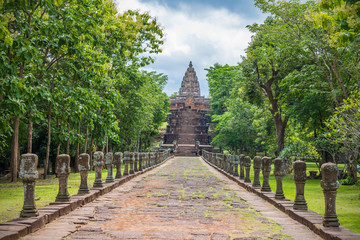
x=183 y=199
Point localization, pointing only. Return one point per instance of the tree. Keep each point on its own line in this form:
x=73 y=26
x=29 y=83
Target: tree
x=72 y=68
x=345 y=125
x=270 y=57
x=232 y=115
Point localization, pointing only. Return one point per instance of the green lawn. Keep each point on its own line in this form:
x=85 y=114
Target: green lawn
x=12 y=194
x=347 y=201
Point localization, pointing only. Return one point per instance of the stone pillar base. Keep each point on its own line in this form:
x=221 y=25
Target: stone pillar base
x=118 y=174
x=265 y=189
x=279 y=196
x=109 y=179
x=29 y=211
x=84 y=190
x=256 y=184
x=62 y=198
x=98 y=183
x=300 y=203
x=331 y=221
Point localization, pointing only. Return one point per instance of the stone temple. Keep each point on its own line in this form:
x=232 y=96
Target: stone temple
x=188 y=121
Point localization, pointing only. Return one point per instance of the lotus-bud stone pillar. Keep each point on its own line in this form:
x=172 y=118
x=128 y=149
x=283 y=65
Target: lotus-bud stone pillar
x=141 y=160
x=236 y=166
x=247 y=165
x=132 y=162
x=233 y=163
x=62 y=171
x=118 y=161
x=228 y=163
x=109 y=167
x=126 y=162
x=153 y=156
x=28 y=174
x=222 y=160
x=257 y=167
x=148 y=157
x=84 y=168
x=136 y=161
x=280 y=170
x=330 y=184
x=300 y=179
x=98 y=162
x=242 y=175
x=266 y=169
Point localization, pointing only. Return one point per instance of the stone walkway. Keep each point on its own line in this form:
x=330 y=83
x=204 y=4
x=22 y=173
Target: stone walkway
x=182 y=199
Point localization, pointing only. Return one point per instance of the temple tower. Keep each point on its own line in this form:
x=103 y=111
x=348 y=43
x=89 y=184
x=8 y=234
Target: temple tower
x=188 y=120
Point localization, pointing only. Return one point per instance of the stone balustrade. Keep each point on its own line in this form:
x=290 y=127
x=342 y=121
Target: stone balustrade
x=132 y=161
x=231 y=164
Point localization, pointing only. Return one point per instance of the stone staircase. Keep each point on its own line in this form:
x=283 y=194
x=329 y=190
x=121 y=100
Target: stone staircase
x=186 y=135
x=186 y=150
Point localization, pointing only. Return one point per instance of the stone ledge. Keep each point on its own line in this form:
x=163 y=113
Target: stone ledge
x=19 y=227
x=308 y=218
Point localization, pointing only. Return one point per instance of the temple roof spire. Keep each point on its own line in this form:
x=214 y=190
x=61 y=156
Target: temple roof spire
x=190 y=84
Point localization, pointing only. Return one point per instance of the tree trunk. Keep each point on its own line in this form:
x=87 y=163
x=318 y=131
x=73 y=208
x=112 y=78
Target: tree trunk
x=280 y=127
x=76 y=167
x=107 y=144
x=46 y=162
x=14 y=150
x=29 y=135
x=90 y=150
x=68 y=140
x=86 y=138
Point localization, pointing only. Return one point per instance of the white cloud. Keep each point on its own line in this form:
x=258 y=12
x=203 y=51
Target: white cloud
x=206 y=36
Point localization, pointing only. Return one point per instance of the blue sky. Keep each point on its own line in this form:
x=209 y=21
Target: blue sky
x=202 y=31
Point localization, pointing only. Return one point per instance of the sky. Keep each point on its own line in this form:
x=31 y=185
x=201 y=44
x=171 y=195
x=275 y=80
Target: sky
x=202 y=31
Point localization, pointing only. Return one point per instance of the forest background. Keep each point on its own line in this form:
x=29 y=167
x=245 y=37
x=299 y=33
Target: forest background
x=295 y=93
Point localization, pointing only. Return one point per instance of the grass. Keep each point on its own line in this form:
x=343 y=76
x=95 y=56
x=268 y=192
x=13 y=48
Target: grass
x=12 y=194
x=347 y=200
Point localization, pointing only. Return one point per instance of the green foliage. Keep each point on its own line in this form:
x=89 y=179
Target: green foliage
x=232 y=116
x=76 y=65
x=340 y=19
x=221 y=80
x=298 y=149
x=344 y=125
x=347 y=181
x=301 y=71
